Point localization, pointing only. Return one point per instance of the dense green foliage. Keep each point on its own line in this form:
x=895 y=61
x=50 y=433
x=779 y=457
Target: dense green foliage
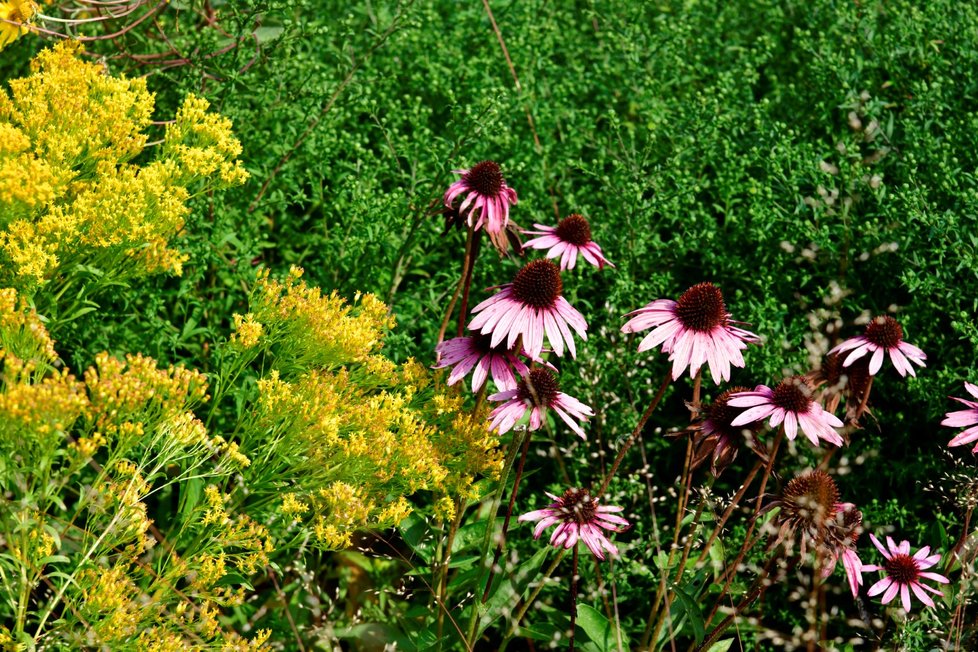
x=817 y=160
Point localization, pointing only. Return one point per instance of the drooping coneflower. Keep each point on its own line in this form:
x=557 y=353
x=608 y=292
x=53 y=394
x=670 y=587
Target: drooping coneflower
x=580 y=517
x=883 y=335
x=715 y=437
x=808 y=504
x=475 y=352
x=571 y=236
x=841 y=542
x=487 y=199
x=904 y=573
x=535 y=393
x=695 y=330
x=533 y=308
x=790 y=402
x=967 y=419
x=840 y=382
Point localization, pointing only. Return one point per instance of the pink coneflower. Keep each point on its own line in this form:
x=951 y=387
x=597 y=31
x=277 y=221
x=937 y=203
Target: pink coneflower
x=536 y=392
x=476 y=352
x=571 y=236
x=904 y=572
x=487 y=197
x=693 y=331
x=580 y=518
x=883 y=335
x=964 y=418
x=789 y=403
x=531 y=307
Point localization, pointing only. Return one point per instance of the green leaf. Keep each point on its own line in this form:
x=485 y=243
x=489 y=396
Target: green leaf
x=599 y=629
x=721 y=646
x=692 y=609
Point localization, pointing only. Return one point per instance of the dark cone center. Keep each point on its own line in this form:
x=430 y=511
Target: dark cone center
x=577 y=505
x=575 y=230
x=540 y=387
x=485 y=178
x=483 y=344
x=902 y=568
x=701 y=308
x=538 y=284
x=793 y=394
x=884 y=331
x=811 y=498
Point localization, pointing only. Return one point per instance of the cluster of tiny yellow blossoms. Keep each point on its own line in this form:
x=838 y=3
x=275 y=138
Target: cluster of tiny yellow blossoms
x=68 y=192
x=136 y=390
x=245 y=542
x=354 y=433
x=308 y=329
x=247 y=331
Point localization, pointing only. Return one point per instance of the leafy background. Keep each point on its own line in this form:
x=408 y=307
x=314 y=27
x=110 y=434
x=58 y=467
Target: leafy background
x=817 y=160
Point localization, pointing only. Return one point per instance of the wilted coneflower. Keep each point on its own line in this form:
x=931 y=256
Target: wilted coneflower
x=487 y=198
x=841 y=543
x=883 y=335
x=715 y=437
x=808 y=505
x=571 y=236
x=476 y=352
x=580 y=518
x=904 y=572
x=850 y=382
x=964 y=418
x=694 y=331
x=536 y=392
x=531 y=307
x=790 y=402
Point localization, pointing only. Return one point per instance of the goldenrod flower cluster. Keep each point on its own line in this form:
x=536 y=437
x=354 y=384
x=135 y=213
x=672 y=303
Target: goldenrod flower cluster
x=354 y=433
x=81 y=462
x=68 y=192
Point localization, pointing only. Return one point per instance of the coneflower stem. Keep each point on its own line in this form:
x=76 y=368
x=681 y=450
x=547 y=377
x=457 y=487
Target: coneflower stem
x=509 y=515
x=442 y=585
x=458 y=290
x=635 y=434
x=514 y=448
x=573 y=601
x=731 y=570
x=757 y=590
x=523 y=607
x=471 y=254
